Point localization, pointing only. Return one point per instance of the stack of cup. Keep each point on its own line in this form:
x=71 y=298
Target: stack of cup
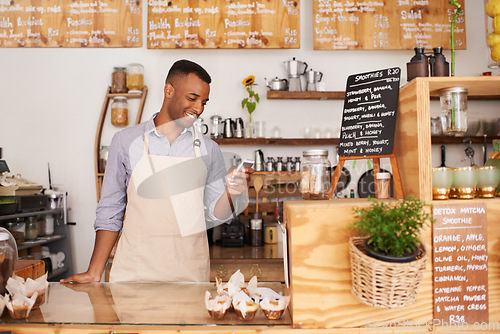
x=488 y=178
x=442 y=179
x=465 y=181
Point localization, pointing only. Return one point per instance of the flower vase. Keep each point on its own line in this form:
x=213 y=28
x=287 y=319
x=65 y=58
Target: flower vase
x=250 y=129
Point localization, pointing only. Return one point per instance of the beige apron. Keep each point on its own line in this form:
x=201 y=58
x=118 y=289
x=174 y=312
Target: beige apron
x=164 y=235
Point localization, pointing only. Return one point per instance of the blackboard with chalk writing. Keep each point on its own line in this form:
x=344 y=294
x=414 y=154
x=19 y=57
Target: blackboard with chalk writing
x=369 y=116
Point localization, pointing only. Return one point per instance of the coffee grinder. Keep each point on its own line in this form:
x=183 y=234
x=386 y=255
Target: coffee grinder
x=295 y=69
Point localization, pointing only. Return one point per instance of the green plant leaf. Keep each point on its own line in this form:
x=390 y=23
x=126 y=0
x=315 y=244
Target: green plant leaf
x=244 y=102
x=251 y=106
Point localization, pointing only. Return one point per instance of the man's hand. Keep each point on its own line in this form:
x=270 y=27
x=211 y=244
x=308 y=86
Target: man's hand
x=237 y=182
x=85 y=277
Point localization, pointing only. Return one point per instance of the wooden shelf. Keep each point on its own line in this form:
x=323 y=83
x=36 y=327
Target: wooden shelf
x=277 y=141
x=460 y=140
x=286 y=95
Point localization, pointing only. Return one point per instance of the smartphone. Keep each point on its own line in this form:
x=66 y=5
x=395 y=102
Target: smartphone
x=245 y=164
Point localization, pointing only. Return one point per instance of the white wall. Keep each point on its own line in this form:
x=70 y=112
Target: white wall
x=50 y=101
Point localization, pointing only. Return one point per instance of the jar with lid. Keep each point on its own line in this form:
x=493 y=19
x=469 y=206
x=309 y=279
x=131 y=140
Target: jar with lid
x=8 y=255
x=31 y=229
x=453 y=109
x=119 y=111
x=135 y=78
x=289 y=164
x=315 y=180
x=492 y=26
x=119 y=80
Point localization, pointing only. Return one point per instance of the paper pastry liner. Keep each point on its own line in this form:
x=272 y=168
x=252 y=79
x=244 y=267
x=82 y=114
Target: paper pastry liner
x=233 y=286
x=20 y=306
x=17 y=286
x=244 y=306
x=2 y=305
x=274 y=309
x=218 y=306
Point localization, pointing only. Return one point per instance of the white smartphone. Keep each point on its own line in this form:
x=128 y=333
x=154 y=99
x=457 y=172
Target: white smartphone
x=245 y=164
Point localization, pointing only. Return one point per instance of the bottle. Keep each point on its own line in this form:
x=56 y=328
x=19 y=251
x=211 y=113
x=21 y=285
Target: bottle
x=315 y=181
x=289 y=164
x=119 y=111
x=418 y=65
x=351 y=194
x=439 y=66
x=269 y=164
x=279 y=164
x=119 y=80
x=135 y=78
x=8 y=252
x=256 y=230
x=297 y=164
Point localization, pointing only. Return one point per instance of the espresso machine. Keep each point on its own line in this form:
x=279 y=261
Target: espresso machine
x=295 y=69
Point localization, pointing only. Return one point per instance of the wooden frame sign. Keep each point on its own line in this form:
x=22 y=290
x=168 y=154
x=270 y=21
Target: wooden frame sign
x=64 y=23
x=243 y=24
x=460 y=263
x=386 y=24
x=369 y=121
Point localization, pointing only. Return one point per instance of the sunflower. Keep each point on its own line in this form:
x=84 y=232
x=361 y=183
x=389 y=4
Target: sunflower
x=248 y=81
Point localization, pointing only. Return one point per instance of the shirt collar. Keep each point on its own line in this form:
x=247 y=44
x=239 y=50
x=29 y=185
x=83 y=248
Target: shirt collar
x=151 y=127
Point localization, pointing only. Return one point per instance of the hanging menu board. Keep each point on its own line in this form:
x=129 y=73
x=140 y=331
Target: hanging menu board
x=386 y=24
x=62 y=23
x=460 y=256
x=224 y=24
x=369 y=116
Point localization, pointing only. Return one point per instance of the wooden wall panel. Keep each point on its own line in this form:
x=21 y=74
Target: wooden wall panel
x=223 y=24
x=62 y=23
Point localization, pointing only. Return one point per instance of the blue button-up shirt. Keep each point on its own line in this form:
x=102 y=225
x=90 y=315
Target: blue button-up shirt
x=127 y=148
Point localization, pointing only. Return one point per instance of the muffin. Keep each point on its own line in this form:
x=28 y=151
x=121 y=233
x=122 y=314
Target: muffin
x=244 y=306
x=218 y=306
x=274 y=309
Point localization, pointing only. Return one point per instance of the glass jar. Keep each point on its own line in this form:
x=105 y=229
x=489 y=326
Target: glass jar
x=492 y=11
x=103 y=158
x=135 y=78
x=41 y=226
x=31 y=229
x=315 y=181
x=453 y=110
x=119 y=80
x=119 y=111
x=494 y=160
x=8 y=258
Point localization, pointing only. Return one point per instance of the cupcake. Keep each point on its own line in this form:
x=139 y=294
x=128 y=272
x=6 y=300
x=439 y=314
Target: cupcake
x=274 y=309
x=218 y=306
x=244 y=306
x=20 y=306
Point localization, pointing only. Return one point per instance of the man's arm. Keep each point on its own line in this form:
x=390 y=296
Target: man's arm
x=104 y=241
x=236 y=185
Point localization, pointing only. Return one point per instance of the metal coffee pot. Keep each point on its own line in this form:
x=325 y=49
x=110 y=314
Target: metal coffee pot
x=277 y=84
x=200 y=126
x=295 y=68
x=239 y=128
x=313 y=77
x=216 y=126
x=228 y=128
x=259 y=161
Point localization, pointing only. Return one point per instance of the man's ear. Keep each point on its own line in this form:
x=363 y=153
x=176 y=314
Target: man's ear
x=168 y=90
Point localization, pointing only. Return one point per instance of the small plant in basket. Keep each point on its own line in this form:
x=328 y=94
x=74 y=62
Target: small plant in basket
x=392 y=228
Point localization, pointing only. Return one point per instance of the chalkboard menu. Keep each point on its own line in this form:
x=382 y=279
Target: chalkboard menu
x=369 y=117
x=386 y=24
x=460 y=256
x=62 y=23
x=223 y=24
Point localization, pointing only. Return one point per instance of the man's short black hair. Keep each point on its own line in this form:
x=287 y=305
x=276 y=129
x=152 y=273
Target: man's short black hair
x=186 y=67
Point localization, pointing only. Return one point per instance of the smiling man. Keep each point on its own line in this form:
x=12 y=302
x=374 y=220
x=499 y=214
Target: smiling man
x=163 y=179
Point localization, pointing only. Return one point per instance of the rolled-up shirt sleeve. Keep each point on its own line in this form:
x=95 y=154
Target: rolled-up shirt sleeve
x=111 y=208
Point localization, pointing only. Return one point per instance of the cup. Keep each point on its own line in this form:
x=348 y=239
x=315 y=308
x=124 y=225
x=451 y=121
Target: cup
x=260 y=129
x=307 y=132
x=465 y=181
x=270 y=234
x=442 y=179
x=488 y=178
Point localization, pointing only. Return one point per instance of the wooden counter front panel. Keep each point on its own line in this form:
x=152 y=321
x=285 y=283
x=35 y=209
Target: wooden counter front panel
x=266 y=271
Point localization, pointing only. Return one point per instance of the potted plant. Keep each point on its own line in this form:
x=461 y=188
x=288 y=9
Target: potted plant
x=392 y=229
x=387 y=257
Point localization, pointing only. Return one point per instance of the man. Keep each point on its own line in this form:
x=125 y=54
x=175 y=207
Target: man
x=163 y=174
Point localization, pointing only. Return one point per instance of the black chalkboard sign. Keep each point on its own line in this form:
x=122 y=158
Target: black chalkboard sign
x=369 y=117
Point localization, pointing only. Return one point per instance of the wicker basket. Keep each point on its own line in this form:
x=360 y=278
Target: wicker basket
x=384 y=284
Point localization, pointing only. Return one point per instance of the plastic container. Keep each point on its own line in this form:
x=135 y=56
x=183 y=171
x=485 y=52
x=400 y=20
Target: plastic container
x=135 y=78
x=315 y=181
x=8 y=257
x=119 y=111
x=492 y=20
x=453 y=110
x=119 y=80
x=383 y=185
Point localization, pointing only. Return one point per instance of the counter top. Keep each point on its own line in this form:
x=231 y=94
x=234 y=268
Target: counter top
x=168 y=304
